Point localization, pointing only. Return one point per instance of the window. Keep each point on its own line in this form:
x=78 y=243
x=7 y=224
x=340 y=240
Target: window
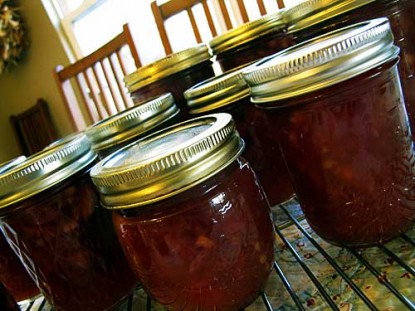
x=85 y=25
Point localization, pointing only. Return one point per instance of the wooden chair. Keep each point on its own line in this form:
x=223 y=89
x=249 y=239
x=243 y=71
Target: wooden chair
x=34 y=128
x=164 y=11
x=261 y=7
x=92 y=88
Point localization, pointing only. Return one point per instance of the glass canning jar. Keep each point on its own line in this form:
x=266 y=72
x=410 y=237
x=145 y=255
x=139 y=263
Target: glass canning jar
x=251 y=41
x=108 y=135
x=230 y=93
x=50 y=215
x=191 y=216
x=344 y=132
x=13 y=275
x=173 y=74
x=312 y=18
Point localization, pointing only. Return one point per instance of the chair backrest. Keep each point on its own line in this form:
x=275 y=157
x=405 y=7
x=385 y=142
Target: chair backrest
x=34 y=128
x=261 y=7
x=165 y=10
x=92 y=88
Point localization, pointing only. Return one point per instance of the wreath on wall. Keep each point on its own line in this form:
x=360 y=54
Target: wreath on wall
x=13 y=40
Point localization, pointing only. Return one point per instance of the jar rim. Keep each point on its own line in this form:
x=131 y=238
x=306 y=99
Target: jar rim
x=270 y=23
x=217 y=92
x=45 y=169
x=312 y=12
x=322 y=61
x=167 y=162
x=167 y=66
x=131 y=122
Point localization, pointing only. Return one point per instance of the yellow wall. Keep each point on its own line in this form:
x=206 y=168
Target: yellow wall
x=32 y=79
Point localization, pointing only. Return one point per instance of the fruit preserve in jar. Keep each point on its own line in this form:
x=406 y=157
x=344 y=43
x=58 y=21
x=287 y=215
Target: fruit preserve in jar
x=13 y=275
x=108 y=135
x=344 y=132
x=230 y=93
x=312 y=18
x=50 y=215
x=251 y=41
x=190 y=214
x=173 y=74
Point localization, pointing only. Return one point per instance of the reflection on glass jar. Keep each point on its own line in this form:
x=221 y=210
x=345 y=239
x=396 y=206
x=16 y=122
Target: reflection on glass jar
x=313 y=18
x=191 y=216
x=173 y=74
x=13 y=275
x=229 y=93
x=50 y=213
x=345 y=133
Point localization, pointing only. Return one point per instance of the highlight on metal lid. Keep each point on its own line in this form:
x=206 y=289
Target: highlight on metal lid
x=167 y=162
x=247 y=32
x=321 y=62
x=311 y=12
x=5 y=166
x=132 y=122
x=217 y=92
x=45 y=169
x=167 y=66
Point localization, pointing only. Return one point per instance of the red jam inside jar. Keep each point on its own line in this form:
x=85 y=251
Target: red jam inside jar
x=348 y=145
x=13 y=275
x=335 y=15
x=65 y=239
x=230 y=94
x=173 y=74
x=206 y=244
x=117 y=131
x=251 y=41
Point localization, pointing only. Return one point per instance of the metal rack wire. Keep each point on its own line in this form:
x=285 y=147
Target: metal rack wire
x=312 y=274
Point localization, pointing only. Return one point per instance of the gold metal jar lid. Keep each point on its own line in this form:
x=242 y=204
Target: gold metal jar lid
x=168 y=162
x=4 y=167
x=132 y=122
x=311 y=12
x=44 y=170
x=248 y=32
x=324 y=61
x=167 y=66
x=217 y=92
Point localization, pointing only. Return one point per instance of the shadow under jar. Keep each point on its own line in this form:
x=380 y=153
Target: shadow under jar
x=13 y=275
x=173 y=74
x=229 y=93
x=49 y=211
x=313 y=18
x=6 y=300
x=191 y=216
x=344 y=132
x=251 y=41
x=117 y=131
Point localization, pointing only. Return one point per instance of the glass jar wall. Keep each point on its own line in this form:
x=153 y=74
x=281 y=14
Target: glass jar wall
x=173 y=74
x=251 y=41
x=191 y=216
x=344 y=132
x=13 y=275
x=229 y=93
x=49 y=209
x=313 y=18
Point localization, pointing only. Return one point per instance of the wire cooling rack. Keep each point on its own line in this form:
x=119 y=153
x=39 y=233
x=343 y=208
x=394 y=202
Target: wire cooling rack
x=310 y=274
